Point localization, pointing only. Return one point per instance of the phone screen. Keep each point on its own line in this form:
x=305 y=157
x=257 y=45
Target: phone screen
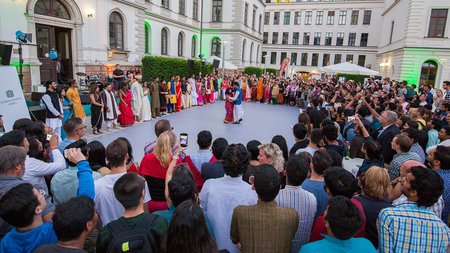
x=184 y=139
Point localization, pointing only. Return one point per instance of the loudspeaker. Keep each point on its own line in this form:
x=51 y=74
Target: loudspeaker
x=190 y=65
x=216 y=63
x=5 y=53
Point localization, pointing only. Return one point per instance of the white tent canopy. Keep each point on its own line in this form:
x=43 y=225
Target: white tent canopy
x=348 y=68
x=228 y=65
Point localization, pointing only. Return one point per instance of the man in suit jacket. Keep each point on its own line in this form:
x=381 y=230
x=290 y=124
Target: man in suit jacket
x=387 y=134
x=264 y=227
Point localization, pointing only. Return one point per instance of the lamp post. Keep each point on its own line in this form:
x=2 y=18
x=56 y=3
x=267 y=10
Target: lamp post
x=223 y=57
x=265 y=63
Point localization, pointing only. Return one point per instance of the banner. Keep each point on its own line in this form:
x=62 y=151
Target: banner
x=284 y=65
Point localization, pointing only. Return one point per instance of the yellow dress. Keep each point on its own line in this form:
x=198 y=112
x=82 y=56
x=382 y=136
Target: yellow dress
x=72 y=93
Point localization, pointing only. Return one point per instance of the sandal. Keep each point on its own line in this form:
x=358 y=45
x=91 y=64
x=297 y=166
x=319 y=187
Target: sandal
x=95 y=132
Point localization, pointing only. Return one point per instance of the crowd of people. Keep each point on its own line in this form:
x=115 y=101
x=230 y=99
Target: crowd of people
x=74 y=196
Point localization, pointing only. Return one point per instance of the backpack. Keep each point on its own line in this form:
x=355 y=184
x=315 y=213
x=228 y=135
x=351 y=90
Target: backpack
x=133 y=240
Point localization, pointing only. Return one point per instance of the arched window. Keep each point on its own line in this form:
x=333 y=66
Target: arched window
x=52 y=8
x=147 y=38
x=428 y=73
x=164 y=40
x=194 y=47
x=115 y=31
x=180 y=44
x=251 y=53
x=215 y=47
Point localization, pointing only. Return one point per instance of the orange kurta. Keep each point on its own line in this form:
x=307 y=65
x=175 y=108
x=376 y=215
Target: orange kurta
x=259 y=90
x=72 y=93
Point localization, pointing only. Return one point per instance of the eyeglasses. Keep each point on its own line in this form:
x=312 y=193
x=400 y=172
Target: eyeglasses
x=81 y=128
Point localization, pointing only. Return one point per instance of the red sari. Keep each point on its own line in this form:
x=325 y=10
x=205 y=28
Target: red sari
x=229 y=105
x=125 y=118
x=178 y=93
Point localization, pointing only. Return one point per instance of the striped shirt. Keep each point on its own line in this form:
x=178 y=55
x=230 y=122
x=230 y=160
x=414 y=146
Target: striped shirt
x=305 y=204
x=410 y=228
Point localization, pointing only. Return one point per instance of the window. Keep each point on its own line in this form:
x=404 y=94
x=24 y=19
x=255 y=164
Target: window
x=438 y=19
x=392 y=32
x=351 y=39
x=165 y=3
x=295 y=37
x=265 y=37
x=276 y=18
x=164 y=40
x=147 y=39
x=260 y=23
x=317 y=38
x=361 y=60
x=297 y=17
x=328 y=39
x=306 y=38
x=315 y=60
x=326 y=60
x=308 y=17
x=274 y=38
x=273 y=58
x=354 y=20
x=263 y=57
x=194 y=47
x=294 y=58
x=349 y=58
x=246 y=14
x=266 y=18
x=367 y=16
x=180 y=44
x=319 y=17
x=216 y=10
x=342 y=17
x=283 y=56
x=337 y=58
x=285 y=38
x=215 y=47
x=52 y=8
x=304 y=61
x=330 y=18
x=340 y=39
x=287 y=18
x=115 y=31
x=364 y=39
x=195 y=9
x=181 y=7
x=243 y=51
x=253 y=18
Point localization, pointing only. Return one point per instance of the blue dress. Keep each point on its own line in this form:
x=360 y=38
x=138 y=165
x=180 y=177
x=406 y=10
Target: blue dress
x=67 y=115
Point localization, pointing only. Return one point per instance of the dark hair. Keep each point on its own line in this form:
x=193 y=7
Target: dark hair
x=267 y=182
x=413 y=124
x=446 y=129
x=161 y=126
x=235 y=160
x=71 y=82
x=412 y=133
x=14 y=137
x=316 y=135
x=181 y=188
x=47 y=83
x=339 y=181
x=321 y=161
x=187 y=231
x=33 y=150
x=18 y=205
x=128 y=190
x=373 y=149
x=82 y=145
x=252 y=148
x=428 y=184
x=403 y=142
x=297 y=170
x=22 y=124
x=116 y=152
x=344 y=217
x=437 y=124
x=336 y=158
x=129 y=148
x=70 y=217
x=442 y=154
x=300 y=131
x=218 y=147
x=124 y=84
x=71 y=125
x=37 y=130
x=97 y=155
x=281 y=142
x=330 y=132
x=204 y=139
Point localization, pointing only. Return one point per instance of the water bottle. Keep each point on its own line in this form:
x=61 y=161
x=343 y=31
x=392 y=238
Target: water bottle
x=41 y=104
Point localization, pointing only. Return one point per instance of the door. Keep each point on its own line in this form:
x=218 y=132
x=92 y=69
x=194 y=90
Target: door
x=428 y=73
x=45 y=41
x=63 y=47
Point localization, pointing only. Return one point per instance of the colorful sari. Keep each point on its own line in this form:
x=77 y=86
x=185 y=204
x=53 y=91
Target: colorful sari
x=248 y=92
x=126 y=113
x=199 y=92
x=178 y=92
x=267 y=94
x=229 y=105
x=259 y=90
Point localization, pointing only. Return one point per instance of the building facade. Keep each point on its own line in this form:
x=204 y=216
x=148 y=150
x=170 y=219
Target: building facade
x=92 y=36
x=415 y=44
x=317 y=33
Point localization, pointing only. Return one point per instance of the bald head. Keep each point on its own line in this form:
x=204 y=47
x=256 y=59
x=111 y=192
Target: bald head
x=407 y=165
x=162 y=126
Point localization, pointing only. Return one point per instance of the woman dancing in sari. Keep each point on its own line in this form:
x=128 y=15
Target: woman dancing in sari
x=178 y=94
x=199 y=92
x=229 y=105
x=126 y=117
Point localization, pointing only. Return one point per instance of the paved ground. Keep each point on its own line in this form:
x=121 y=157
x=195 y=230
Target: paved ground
x=260 y=122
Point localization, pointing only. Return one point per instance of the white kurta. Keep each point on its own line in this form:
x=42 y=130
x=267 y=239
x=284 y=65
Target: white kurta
x=136 y=98
x=194 y=94
x=54 y=123
x=146 y=110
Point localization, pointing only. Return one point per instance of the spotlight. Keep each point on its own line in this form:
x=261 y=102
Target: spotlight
x=23 y=37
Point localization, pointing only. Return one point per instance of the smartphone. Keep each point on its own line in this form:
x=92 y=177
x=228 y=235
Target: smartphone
x=49 y=136
x=328 y=108
x=300 y=110
x=66 y=153
x=351 y=118
x=359 y=101
x=184 y=140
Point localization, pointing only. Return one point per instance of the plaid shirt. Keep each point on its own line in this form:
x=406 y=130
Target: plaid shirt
x=410 y=228
x=398 y=160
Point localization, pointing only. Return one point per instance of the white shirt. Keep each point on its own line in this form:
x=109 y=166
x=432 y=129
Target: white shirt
x=108 y=207
x=219 y=197
x=35 y=169
x=445 y=143
x=307 y=149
